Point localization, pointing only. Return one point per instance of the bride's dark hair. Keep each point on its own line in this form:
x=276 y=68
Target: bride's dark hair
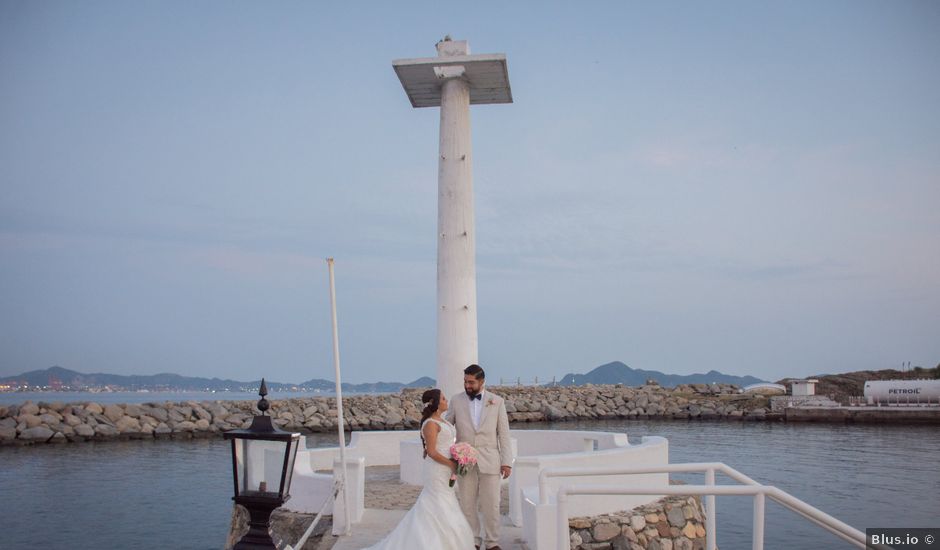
x=431 y=400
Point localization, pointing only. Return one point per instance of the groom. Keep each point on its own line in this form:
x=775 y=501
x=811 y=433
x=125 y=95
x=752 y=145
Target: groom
x=481 y=421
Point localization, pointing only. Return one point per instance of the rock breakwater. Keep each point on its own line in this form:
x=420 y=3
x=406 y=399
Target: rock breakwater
x=60 y=422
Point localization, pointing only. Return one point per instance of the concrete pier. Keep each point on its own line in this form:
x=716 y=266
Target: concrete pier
x=865 y=415
x=387 y=502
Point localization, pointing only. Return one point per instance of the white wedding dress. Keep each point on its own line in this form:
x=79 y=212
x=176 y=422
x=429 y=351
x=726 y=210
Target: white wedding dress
x=435 y=521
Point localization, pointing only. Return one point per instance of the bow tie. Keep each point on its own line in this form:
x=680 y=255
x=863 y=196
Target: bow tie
x=478 y=397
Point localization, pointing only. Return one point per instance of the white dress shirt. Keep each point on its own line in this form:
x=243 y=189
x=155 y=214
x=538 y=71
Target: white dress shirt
x=476 y=410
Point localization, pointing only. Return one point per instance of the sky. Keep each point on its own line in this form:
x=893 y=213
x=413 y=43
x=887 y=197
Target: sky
x=680 y=186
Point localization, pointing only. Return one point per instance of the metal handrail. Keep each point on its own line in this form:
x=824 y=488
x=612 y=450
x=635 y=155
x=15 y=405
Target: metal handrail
x=748 y=487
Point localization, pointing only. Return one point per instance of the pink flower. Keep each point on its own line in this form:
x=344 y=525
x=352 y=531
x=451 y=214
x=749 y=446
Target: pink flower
x=465 y=456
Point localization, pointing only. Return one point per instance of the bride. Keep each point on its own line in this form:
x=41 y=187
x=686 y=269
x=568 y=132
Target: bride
x=435 y=521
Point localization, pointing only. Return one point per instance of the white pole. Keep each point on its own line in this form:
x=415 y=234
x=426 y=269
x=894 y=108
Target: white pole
x=339 y=400
x=758 y=542
x=562 y=535
x=711 y=537
x=456 y=238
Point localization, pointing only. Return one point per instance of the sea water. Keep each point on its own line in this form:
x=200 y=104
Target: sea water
x=177 y=494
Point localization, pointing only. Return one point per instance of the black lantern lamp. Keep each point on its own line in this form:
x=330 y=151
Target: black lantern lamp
x=262 y=461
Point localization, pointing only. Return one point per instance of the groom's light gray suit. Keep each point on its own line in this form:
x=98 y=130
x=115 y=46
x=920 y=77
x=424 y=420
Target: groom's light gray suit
x=479 y=489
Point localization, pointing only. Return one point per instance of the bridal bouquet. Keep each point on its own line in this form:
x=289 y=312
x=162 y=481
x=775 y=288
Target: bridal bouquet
x=465 y=456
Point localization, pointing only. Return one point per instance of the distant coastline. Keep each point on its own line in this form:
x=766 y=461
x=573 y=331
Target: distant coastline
x=55 y=379
x=136 y=397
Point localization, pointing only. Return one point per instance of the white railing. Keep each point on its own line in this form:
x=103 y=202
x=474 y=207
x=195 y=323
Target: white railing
x=748 y=487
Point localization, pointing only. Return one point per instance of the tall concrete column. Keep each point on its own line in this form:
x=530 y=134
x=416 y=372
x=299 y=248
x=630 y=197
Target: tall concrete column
x=453 y=81
x=457 y=342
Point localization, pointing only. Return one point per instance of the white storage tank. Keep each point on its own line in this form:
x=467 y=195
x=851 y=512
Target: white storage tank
x=902 y=391
x=764 y=388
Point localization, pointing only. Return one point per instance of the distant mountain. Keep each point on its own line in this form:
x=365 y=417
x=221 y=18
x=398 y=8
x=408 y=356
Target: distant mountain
x=618 y=373
x=423 y=382
x=57 y=377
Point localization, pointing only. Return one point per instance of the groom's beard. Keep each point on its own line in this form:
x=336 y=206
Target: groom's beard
x=471 y=394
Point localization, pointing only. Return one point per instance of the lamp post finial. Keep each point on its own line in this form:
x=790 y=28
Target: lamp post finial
x=263 y=404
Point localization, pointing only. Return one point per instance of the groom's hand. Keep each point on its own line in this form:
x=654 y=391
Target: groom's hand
x=505 y=471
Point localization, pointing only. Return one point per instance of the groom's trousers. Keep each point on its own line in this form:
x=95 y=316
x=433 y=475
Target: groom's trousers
x=479 y=494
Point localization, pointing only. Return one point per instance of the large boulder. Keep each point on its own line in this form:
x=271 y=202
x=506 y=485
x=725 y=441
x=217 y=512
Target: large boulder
x=50 y=419
x=127 y=424
x=133 y=410
x=605 y=531
x=29 y=408
x=553 y=413
x=202 y=414
x=85 y=430
x=159 y=413
x=216 y=410
x=106 y=430
x=31 y=420
x=39 y=433
x=148 y=420
x=7 y=433
x=102 y=419
x=94 y=408
x=113 y=412
x=236 y=419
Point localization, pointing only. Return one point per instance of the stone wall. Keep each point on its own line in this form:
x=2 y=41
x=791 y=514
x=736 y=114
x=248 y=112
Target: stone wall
x=60 y=422
x=672 y=523
x=286 y=528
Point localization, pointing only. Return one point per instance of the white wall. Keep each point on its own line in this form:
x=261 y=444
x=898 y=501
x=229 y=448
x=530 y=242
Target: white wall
x=378 y=448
